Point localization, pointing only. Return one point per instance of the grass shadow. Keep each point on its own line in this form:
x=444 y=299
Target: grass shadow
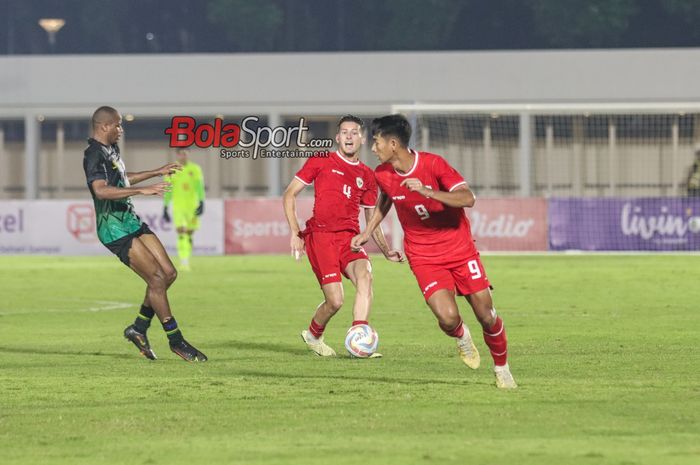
x=362 y=379
x=27 y=351
x=260 y=346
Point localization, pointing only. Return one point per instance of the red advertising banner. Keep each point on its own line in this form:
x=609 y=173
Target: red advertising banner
x=259 y=226
x=509 y=224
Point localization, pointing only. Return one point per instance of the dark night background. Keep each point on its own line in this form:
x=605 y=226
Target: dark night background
x=225 y=26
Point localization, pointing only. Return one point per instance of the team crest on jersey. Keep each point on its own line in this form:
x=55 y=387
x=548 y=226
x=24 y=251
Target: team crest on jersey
x=359 y=182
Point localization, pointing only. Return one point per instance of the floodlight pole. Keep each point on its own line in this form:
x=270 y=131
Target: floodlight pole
x=32 y=131
x=525 y=154
x=60 y=159
x=274 y=164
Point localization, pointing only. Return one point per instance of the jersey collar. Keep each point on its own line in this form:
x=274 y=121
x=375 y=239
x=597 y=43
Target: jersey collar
x=354 y=163
x=413 y=168
x=113 y=147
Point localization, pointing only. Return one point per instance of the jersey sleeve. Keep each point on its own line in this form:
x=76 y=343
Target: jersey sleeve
x=379 y=179
x=95 y=167
x=309 y=171
x=369 y=197
x=448 y=177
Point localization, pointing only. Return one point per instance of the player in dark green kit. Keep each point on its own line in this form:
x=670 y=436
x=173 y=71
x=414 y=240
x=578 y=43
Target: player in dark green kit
x=125 y=235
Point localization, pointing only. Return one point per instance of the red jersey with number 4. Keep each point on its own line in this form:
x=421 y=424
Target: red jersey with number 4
x=341 y=188
x=433 y=232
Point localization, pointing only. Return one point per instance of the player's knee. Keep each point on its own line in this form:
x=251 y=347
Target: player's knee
x=486 y=317
x=158 y=281
x=449 y=321
x=170 y=276
x=448 y=316
x=334 y=303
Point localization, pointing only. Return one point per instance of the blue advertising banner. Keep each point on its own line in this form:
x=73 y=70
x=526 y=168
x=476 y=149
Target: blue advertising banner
x=655 y=224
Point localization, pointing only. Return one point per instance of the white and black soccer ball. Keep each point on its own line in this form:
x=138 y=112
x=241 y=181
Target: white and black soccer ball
x=361 y=341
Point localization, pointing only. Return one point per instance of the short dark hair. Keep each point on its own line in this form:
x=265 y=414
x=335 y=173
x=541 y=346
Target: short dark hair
x=392 y=125
x=352 y=119
x=101 y=113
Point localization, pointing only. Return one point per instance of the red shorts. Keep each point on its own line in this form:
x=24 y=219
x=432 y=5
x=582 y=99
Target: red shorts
x=465 y=278
x=329 y=254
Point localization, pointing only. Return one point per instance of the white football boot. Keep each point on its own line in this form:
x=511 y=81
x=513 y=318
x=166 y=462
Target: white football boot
x=467 y=350
x=317 y=345
x=504 y=379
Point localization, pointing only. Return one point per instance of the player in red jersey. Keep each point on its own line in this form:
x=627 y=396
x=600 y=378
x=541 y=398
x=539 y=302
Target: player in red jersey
x=430 y=196
x=342 y=185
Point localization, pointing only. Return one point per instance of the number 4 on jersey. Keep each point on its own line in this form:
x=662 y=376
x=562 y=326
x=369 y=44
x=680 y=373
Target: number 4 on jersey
x=347 y=190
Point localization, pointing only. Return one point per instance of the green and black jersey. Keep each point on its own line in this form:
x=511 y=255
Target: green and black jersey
x=115 y=218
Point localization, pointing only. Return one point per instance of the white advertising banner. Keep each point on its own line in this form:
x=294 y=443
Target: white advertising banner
x=65 y=227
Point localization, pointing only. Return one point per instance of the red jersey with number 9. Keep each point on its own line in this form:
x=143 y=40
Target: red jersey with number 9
x=433 y=232
x=341 y=188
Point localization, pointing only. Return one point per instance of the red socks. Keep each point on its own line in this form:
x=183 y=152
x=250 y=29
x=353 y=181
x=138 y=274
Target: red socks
x=316 y=329
x=359 y=322
x=457 y=331
x=495 y=338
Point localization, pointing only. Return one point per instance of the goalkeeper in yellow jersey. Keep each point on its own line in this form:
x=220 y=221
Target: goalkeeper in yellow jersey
x=187 y=197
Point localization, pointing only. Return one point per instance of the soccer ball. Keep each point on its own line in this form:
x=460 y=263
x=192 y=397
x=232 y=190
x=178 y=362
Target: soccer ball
x=361 y=341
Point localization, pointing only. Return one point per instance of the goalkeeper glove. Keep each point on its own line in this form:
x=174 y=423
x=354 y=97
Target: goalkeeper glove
x=166 y=216
x=200 y=209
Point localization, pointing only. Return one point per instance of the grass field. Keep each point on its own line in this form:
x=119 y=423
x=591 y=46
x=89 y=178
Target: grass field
x=605 y=349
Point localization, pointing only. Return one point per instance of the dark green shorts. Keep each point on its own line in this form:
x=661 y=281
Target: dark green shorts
x=121 y=246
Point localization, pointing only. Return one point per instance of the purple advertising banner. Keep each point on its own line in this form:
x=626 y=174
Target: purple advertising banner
x=661 y=224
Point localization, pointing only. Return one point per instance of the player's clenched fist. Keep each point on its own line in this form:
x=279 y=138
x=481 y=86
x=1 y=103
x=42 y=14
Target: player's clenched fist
x=358 y=241
x=395 y=256
x=415 y=185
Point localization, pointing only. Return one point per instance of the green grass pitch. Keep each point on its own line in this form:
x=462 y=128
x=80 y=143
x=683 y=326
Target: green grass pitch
x=605 y=349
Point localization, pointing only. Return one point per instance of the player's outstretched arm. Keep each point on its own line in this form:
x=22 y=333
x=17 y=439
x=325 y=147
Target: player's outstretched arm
x=380 y=211
x=105 y=192
x=460 y=197
x=165 y=170
x=289 y=201
x=380 y=239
